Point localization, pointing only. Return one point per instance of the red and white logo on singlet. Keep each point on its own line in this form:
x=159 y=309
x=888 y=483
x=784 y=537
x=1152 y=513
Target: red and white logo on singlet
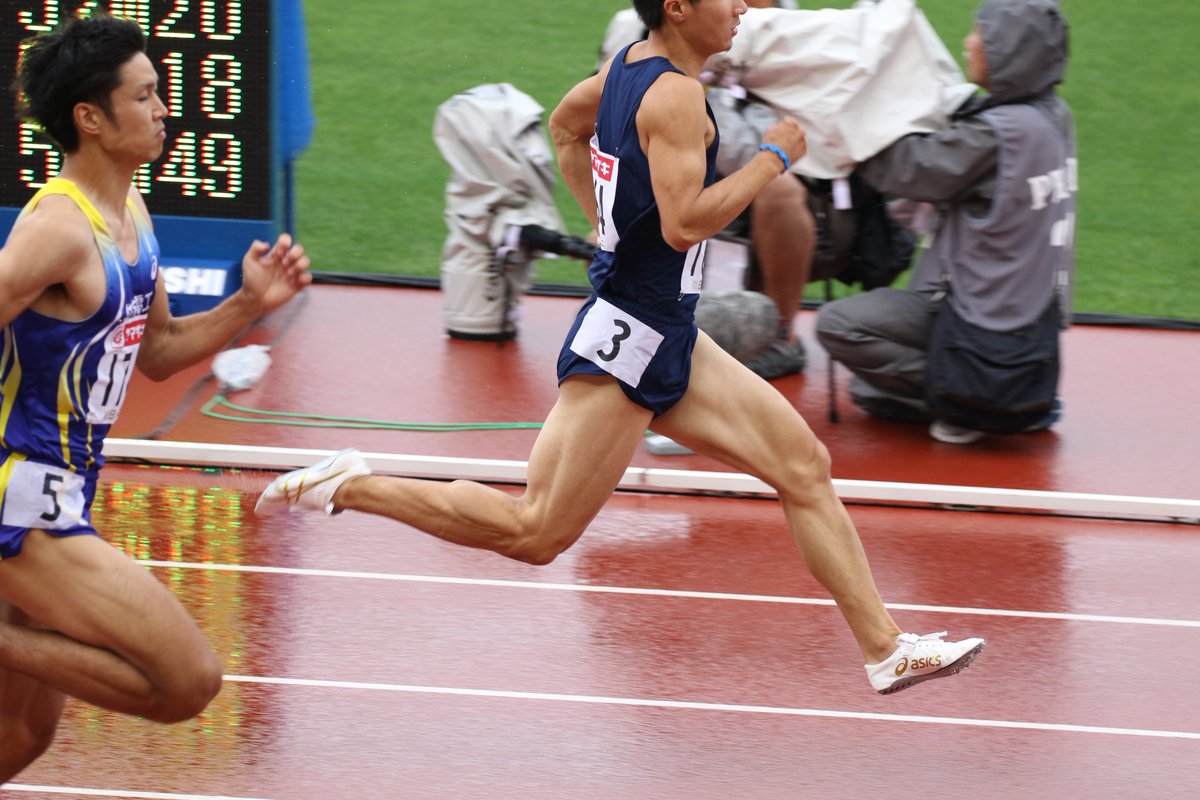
x=129 y=334
x=602 y=165
x=606 y=170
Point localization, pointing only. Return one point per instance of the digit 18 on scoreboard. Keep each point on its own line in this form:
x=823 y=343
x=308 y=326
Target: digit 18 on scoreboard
x=216 y=184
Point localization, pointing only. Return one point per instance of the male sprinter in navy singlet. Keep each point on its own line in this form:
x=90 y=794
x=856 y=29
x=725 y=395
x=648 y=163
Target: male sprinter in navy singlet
x=81 y=304
x=636 y=145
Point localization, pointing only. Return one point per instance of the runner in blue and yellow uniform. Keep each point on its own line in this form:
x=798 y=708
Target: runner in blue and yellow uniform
x=635 y=145
x=63 y=383
x=82 y=305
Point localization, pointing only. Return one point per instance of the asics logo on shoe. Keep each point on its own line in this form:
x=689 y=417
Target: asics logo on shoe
x=917 y=663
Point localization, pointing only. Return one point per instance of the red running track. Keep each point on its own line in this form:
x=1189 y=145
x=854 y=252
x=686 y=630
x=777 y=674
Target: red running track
x=680 y=650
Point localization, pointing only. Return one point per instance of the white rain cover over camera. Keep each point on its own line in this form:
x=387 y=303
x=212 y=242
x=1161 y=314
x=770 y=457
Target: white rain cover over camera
x=502 y=175
x=857 y=79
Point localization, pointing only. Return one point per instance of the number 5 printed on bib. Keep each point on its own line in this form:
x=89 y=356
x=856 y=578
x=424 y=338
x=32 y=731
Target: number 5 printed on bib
x=40 y=496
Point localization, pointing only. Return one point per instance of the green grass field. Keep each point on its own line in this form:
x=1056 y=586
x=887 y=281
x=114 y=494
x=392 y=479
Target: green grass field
x=370 y=189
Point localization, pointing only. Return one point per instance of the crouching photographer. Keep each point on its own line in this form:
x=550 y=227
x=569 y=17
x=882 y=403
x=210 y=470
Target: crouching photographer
x=971 y=347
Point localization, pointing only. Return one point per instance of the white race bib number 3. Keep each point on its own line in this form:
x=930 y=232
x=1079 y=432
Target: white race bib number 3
x=41 y=496
x=604 y=183
x=616 y=342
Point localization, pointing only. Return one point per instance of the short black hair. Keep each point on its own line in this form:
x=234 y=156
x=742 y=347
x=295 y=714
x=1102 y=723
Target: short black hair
x=651 y=12
x=78 y=62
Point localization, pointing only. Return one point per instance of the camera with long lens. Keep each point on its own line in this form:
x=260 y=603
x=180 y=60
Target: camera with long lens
x=511 y=276
x=538 y=239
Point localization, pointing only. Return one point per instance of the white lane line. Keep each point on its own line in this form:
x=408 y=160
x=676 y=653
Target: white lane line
x=75 y=790
x=726 y=707
x=583 y=587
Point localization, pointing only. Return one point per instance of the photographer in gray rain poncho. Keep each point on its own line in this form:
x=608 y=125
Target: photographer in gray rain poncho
x=1000 y=180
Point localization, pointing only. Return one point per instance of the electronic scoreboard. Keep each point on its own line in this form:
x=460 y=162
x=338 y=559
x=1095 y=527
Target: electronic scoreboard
x=219 y=181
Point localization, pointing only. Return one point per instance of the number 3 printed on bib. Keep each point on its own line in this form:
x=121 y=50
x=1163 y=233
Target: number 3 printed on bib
x=616 y=342
x=604 y=184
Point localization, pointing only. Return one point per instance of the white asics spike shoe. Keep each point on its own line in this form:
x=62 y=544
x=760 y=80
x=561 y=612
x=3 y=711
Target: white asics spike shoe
x=921 y=658
x=312 y=488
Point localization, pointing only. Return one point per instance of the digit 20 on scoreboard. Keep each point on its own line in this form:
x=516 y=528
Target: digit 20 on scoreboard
x=214 y=64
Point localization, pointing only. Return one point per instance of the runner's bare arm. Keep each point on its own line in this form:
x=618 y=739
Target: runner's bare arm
x=46 y=252
x=674 y=127
x=271 y=275
x=571 y=127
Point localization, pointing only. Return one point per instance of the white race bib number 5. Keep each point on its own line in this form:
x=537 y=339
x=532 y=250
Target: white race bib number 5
x=41 y=496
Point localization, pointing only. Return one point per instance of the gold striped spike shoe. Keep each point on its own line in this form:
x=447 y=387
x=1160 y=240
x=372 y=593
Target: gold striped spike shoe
x=312 y=488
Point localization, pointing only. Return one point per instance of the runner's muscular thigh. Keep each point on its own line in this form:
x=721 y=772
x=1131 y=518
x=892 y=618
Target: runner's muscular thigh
x=583 y=451
x=731 y=414
x=103 y=598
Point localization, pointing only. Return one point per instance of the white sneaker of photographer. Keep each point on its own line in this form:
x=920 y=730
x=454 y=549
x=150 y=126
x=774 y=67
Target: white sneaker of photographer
x=921 y=658
x=312 y=488
x=953 y=434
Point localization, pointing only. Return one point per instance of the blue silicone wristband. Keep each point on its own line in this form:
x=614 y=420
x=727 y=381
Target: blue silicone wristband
x=777 y=150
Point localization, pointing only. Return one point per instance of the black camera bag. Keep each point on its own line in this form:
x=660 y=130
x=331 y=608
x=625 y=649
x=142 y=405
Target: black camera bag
x=993 y=381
